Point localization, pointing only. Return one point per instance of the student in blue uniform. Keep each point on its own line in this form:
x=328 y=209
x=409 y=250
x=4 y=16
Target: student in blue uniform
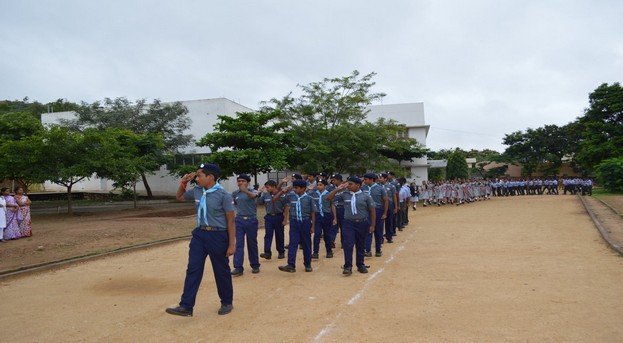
x=301 y=212
x=392 y=201
x=274 y=202
x=359 y=219
x=246 y=225
x=214 y=236
x=324 y=218
x=379 y=196
x=338 y=221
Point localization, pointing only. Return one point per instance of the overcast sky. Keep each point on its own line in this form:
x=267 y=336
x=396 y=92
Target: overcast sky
x=482 y=68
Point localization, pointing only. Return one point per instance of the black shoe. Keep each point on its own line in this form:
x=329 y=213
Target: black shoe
x=236 y=272
x=315 y=256
x=362 y=269
x=329 y=255
x=308 y=269
x=378 y=254
x=255 y=270
x=266 y=255
x=281 y=256
x=400 y=229
x=287 y=268
x=180 y=311
x=347 y=271
x=390 y=241
x=225 y=309
x=367 y=254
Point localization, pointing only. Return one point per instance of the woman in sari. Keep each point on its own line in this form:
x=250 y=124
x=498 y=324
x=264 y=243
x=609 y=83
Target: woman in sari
x=11 y=231
x=2 y=217
x=25 y=227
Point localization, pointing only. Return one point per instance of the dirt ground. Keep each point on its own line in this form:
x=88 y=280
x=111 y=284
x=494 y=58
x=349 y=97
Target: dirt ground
x=526 y=269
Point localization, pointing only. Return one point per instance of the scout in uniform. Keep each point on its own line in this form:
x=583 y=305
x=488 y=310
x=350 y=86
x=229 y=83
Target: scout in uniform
x=273 y=200
x=324 y=218
x=379 y=196
x=214 y=236
x=338 y=221
x=246 y=225
x=301 y=211
x=392 y=200
x=359 y=219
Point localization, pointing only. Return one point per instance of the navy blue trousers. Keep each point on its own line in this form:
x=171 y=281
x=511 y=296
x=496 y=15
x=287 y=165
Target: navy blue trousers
x=273 y=226
x=246 y=228
x=339 y=213
x=204 y=244
x=378 y=232
x=354 y=236
x=390 y=222
x=323 y=227
x=300 y=232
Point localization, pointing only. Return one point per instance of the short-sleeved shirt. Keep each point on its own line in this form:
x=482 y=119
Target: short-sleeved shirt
x=245 y=206
x=336 y=200
x=272 y=207
x=217 y=203
x=307 y=205
x=377 y=192
x=320 y=198
x=363 y=205
x=390 y=190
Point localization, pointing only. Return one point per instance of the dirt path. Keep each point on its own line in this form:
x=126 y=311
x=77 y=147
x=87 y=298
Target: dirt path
x=531 y=269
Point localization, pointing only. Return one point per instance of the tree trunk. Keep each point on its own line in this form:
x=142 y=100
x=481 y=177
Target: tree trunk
x=135 y=196
x=69 y=209
x=147 y=188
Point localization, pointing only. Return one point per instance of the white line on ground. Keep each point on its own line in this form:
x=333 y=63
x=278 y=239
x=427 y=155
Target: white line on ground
x=354 y=299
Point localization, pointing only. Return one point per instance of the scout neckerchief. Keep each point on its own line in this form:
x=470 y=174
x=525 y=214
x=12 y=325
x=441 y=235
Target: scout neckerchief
x=299 y=212
x=320 y=202
x=202 y=204
x=353 y=202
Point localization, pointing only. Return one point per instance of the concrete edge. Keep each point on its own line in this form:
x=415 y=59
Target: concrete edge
x=601 y=229
x=47 y=266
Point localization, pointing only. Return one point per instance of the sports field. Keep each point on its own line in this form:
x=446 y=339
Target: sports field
x=523 y=269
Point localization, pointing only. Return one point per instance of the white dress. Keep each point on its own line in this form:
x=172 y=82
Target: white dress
x=2 y=216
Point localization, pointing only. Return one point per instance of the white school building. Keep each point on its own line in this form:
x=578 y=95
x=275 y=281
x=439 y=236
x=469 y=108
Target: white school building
x=203 y=114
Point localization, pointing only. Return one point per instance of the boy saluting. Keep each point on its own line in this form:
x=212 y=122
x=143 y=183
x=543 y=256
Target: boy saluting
x=214 y=236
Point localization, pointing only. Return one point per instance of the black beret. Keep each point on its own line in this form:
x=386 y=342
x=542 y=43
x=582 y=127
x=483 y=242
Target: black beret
x=322 y=174
x=297 y=176
x=391 y=173
x=299 y=183
x=337 y=176
x=245 y=177
x=323 y=181
x=210 y=168
x=354 y=179
x=371 y=176
x=384 y=175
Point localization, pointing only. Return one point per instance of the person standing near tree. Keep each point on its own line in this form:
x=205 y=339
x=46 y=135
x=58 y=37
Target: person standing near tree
x=214 y=236
x=379 y=196
x=2 y=217
x=246 y=225
x=25 y=227
x=301 y=212
x=11 y=231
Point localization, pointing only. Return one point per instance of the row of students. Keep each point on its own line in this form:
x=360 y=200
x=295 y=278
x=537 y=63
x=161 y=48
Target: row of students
x=359 y=208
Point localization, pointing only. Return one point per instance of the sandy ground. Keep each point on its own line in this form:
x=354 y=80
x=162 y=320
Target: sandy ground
x=529 y=269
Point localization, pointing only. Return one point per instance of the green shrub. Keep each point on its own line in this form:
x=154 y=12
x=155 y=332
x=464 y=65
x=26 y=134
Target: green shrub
x=610 y=174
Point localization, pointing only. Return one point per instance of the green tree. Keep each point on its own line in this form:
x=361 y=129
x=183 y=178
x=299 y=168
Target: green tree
x=127 y=157
x=69 y=156
x=601 y=127
x=18 y=149
x=398 y=145
x=168 y=120
x=540 y=149
x=328 y=126
x=457 y=166
x=250 y=143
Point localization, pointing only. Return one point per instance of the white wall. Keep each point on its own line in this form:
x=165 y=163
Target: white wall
x=203 y=114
